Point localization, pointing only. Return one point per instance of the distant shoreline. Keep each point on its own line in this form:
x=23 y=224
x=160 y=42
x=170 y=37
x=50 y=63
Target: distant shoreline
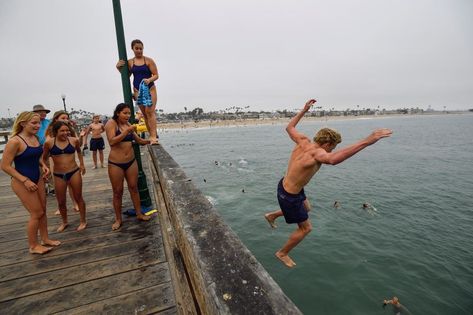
x=206 y=124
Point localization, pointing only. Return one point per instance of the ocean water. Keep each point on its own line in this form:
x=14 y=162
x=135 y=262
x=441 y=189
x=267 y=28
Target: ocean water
x=417 y=245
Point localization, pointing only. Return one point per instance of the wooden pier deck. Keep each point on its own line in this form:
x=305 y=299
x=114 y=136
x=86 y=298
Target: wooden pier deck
x=95 y=271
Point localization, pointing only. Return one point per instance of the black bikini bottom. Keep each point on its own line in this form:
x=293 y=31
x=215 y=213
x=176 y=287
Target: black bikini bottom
x=123 y=166
x=67 y=176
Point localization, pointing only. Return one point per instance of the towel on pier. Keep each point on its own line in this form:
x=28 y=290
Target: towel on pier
x=144 y=210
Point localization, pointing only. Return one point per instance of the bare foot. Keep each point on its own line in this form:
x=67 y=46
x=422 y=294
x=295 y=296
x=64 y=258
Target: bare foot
x=76 y=209
x=57 y=212
x=40 y=249
x=95 y=166
x=144 y=217
x=62 y=227
x=116 y=225
x=82 y=226
x=270 y=221
x=49 y=242
x=286 y=260
x=102 y=166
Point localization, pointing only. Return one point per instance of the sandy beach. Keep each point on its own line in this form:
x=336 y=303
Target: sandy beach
x=275 y=121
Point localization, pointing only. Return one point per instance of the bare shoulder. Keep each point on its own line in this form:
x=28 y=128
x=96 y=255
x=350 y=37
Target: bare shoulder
x=49 y=141
x=150 y=60
x=110 y=123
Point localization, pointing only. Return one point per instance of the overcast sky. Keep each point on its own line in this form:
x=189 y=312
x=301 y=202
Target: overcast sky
x=268 y=54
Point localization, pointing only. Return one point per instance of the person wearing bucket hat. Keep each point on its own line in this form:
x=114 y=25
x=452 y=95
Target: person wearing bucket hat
x=44 y=122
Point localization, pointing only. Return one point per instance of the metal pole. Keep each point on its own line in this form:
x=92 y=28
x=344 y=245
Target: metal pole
x=64 y=102
x=142 y=185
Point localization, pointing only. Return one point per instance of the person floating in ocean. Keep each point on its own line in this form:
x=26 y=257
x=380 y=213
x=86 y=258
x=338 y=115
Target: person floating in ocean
x=306 y=159
x=96 y=141
x=336 y=204
x=62 y=148
x=24 y=150
x=398 y=308
x=145 y=72
x=122 y=163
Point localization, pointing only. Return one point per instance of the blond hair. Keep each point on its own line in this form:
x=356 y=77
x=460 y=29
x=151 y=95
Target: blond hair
x=327 y=135
x=22 y=117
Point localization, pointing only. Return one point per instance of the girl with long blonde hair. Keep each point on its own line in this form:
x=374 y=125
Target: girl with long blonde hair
x=24 y=150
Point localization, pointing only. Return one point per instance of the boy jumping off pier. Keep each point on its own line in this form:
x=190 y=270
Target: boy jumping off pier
x=306 y=159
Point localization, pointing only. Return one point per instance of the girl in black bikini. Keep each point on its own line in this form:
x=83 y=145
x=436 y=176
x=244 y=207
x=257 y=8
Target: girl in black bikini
x=121 y=161
x=24 y=150
x=62 y=149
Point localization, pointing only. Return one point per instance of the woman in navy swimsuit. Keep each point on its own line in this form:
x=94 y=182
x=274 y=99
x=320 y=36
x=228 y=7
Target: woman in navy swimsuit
x=144 y=69
x=24 y=150
x=121 y=161
x=62 y=149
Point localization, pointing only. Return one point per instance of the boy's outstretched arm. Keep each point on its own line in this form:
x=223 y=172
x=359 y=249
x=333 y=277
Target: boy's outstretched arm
x=341 y=155
x=291 y=127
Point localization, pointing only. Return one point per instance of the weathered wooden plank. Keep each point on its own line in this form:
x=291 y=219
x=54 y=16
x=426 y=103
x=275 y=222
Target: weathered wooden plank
x=88 y=292
x=56 y=279
x=68 y=235
x=156 y=299
x=126 y=233
x=94 y=220
x=29 y=268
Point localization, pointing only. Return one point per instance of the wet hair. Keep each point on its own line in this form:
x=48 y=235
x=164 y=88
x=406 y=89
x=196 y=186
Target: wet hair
x=327 y=135
x=57 y=125
x=22 y=117
x=120 y=107
x=136 y=41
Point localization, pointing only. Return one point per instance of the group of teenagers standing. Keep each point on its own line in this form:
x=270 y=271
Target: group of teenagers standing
x=39 y=151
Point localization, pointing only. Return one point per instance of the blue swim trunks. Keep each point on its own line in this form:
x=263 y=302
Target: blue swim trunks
x=292 y=205
x=144 y=95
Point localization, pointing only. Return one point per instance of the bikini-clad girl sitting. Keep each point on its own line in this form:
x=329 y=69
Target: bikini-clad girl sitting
x=27 y=182
x=121 y=161
x=62 y=149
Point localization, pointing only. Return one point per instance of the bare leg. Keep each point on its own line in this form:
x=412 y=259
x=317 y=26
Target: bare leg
x=61 y=192
x=116 y=175
x=101 y=158
x=94 y=157
x=75 y=203
x=131 y=176
x=295 y=238
x=151 y=116
x=76 y=188
x=272 y=216
x=35 y=203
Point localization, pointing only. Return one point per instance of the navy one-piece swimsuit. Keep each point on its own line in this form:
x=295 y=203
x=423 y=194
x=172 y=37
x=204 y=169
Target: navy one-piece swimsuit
x=27 y=163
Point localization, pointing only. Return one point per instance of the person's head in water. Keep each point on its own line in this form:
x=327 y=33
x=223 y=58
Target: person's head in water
x=137 y=47
x=366 y=205
x=327 y=138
